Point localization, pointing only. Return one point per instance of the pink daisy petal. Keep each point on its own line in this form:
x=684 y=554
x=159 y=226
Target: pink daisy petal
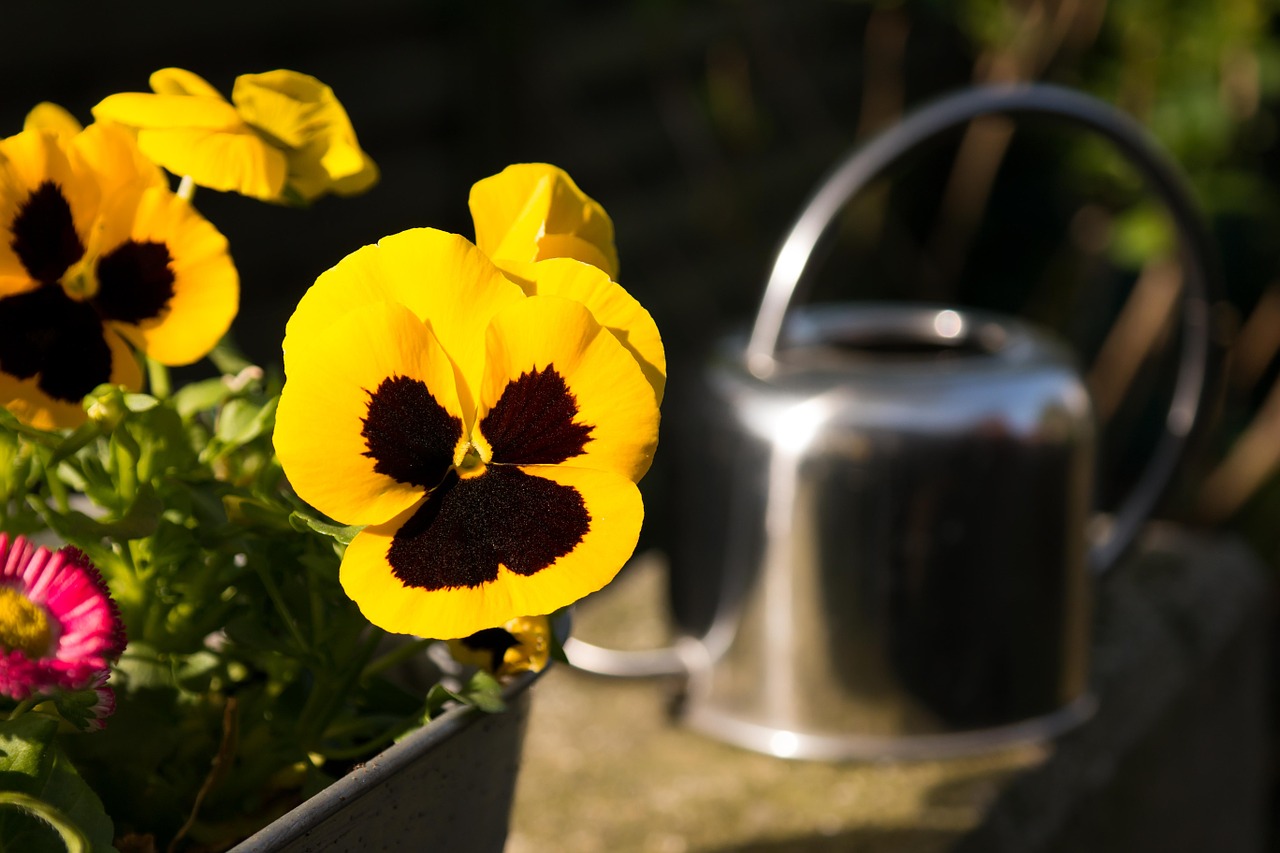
x=66 y=601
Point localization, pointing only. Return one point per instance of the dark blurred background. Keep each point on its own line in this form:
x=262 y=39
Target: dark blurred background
x=702 y=127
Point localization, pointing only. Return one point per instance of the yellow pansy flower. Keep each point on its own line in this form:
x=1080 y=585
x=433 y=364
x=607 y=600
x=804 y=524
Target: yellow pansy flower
x=490 y=440
x=534 y=211
x=518 y=645
x=282 y=137
x=96 y=254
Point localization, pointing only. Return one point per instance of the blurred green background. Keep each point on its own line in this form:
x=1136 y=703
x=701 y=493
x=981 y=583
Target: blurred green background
x=702 y=127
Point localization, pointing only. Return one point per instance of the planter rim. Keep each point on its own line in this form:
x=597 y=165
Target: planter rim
x=365 y=778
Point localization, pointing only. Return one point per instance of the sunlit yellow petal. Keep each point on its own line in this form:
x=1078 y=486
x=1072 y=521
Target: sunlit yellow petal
x=27 y=161
x=360 y=180
x=112 y=154
x=320 y=433
x=140 y=110
x=283 y=107
x=53 y=118
x=179 y=81
x=233 y=161
x=611 y=305
x=551 y=361
x=525 y=211
x=616 y=513
x=575 y=247
x=305 y=116
x=441 y=277
x=205 y=284
x=510 y=216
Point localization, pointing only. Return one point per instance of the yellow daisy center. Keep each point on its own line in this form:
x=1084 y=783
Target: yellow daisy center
x=24 y=625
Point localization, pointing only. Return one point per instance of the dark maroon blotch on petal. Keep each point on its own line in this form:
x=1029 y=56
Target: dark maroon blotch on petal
x=533 y=422
x=466 y=528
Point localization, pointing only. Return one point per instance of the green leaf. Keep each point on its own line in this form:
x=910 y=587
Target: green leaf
x=32 y=765
x=241 y=421
x=201 y=396
x=140 y=402
x=30 y=838
x=25 y=757
x=484 y=692
x=76 y=706
x=139 y=522
x=438 y=697
x=342 y=533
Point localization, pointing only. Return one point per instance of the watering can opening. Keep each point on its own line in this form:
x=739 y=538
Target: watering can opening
x=832 y=338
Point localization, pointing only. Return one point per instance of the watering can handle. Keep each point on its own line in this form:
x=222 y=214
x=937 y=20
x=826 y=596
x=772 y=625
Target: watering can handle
x=1201 y=288
x=863 y=165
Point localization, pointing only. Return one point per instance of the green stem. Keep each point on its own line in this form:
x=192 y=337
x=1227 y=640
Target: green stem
x=273 y=592
x=26 y=705
x=227 y=356
x=395 y=656
x=372 y=745
x=157 y=378
x=126 y=469
x=57 y=489
x=326 y=698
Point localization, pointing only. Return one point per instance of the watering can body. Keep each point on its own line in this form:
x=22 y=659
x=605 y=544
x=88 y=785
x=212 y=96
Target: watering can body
x=894 y=524
x=889 y=541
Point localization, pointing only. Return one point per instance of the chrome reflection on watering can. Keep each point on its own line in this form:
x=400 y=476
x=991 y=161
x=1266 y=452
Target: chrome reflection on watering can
x=895 y=545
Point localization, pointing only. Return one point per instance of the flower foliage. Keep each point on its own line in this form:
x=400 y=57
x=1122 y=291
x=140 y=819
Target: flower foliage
x=475 y=416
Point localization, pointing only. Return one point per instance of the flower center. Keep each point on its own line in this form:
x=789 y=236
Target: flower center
x=24 y=625
x=471 y=464
x=80 y=281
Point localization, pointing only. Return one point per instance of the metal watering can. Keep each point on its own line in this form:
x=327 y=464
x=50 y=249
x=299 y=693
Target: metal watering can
x=892 y=544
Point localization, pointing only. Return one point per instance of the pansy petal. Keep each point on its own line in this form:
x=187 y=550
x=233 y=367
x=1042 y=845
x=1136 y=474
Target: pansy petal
x=179 y=81
x=612 y=306
x=53 y=118
x=112 y=154
x=369 y=417
x=175 y=289
x=33 y=405
x=573 y=246
x=272 y=109
x=140 y=110
x=235 y=160
x=559 y=388
x=442 y=278
x=48 y=204
x=304 y=115
x=516 y=211
x=493 y=548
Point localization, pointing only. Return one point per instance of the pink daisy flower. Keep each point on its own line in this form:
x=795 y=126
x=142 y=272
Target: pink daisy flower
x=59 y=628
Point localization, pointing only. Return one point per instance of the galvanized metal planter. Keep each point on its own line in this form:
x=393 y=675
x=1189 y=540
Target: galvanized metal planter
x=447 y=786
